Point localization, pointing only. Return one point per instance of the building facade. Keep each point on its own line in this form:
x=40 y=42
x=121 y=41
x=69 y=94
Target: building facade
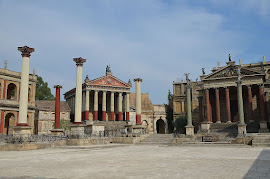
x=45 y=115
x=10 y=83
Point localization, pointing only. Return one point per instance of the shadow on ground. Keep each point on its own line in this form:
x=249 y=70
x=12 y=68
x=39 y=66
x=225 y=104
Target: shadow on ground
x=261 y=166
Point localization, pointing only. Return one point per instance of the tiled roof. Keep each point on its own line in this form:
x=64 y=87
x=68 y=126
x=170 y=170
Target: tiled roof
x=50 y=106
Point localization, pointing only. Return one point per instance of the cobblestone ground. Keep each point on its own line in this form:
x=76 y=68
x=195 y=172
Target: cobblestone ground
x=137 y=161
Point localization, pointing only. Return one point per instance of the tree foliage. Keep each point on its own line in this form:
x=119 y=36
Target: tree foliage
x=169 y=112
x=43 y=92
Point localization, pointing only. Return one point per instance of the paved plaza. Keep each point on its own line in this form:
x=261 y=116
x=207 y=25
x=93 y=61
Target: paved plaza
x=137 y=161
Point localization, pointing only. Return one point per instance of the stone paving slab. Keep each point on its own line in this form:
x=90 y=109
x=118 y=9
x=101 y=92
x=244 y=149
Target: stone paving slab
x=137 y=161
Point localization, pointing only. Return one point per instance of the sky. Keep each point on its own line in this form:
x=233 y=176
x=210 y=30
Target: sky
x=156 y=40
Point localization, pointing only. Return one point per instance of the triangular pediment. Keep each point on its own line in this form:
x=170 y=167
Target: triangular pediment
x=108 y=80
x=231 y=72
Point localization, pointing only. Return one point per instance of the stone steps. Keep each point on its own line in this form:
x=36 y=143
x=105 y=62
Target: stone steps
x=261 y=140
x=157 y=139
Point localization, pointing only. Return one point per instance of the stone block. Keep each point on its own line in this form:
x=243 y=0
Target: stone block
x=22 y=130
x=242 y=130
x=263 y=127
x=205 y=127
x=189 y=131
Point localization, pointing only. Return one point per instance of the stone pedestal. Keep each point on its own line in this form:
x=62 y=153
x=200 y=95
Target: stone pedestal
x=57 y=132
x=205 y=127
x=242 y=130
x=77 y=129
x=22 y=130
x=138 y=129
x=189 y=131
x=263 y=127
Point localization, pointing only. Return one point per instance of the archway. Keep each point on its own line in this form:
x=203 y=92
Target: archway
x=10 y=121
x=160 y=126
x=145 y=123
x=12 y=91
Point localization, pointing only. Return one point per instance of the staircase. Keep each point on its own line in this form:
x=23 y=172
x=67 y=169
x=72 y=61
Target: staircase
x=261 y=139
x=157 y=139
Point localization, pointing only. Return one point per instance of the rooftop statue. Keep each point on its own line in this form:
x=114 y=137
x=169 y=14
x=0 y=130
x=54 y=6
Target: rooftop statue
x=230 y=58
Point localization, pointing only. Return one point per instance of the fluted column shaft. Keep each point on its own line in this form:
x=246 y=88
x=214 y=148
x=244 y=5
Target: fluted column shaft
x=228 y=106
x=120 y=114
x=96 y=106
x=138 y=101
x=112 y=106
x=87 y=105
x=104 y=106
x=23 y=105
x=217 y=106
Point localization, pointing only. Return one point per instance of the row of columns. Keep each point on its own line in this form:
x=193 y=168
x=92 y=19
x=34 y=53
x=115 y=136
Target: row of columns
x=119 y=111
x=228 y=110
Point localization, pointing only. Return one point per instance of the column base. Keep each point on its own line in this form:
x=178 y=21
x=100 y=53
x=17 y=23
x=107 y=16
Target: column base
x=22 y=130
x=189 y=131
x=242 y=130
x=251 y=121
x=263 y=127
x=57 y=131
x=77 y=129
x=229 y=122
x=205 y=127
x=218 y=122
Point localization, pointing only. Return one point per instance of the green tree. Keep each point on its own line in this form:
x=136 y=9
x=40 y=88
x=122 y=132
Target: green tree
x=169 y=112
x=43 y=92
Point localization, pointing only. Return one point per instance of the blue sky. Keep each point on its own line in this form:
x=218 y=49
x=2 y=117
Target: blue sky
x=155 y=40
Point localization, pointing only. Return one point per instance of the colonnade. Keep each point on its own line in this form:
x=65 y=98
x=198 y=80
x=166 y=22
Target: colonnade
x=119 y=113
x=262 y=104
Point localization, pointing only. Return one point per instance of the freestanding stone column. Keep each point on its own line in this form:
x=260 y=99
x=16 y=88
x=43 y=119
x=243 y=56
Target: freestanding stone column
x=96 y=106
x=189 y=127
x=57 y=130
x=241 y=125
x=112 y=106
x=127 y=107
x=138 y=100
x=250 y=110
x=228 y=106
x=78 y=97
x=26 y=53
x=263 y=122
x=104 y=106
x=217 y=106
x=120 y=109
x=57 y=106
x=87 y=98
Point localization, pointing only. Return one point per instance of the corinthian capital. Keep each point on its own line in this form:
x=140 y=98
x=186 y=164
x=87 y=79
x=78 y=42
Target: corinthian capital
x=26 y=51
x=79 y=61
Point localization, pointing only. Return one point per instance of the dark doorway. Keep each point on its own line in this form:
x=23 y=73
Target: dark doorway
x=100 y=112
x=10 y=121
x=160 y=125
x=234 y=110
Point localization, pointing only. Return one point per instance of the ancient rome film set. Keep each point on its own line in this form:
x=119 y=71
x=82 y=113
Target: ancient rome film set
x=230 y=104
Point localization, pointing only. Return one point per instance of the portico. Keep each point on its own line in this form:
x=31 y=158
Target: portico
x=104 y=99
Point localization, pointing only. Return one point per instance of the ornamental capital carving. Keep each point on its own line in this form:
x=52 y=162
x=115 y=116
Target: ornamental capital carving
x=79 y=61
x=26 y=51
x=138 y=79
x=57 y=86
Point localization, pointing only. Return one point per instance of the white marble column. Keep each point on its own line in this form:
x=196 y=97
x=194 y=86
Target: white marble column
x=112 y=106
x=26 y=53
x=96 y=106
x=138 y=101
x=104 y=106
x=120 y=110
x=78 y=97
x=87 y=105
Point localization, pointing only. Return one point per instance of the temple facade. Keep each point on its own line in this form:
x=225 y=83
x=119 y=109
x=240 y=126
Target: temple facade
x=103 y=99
x=232 y=94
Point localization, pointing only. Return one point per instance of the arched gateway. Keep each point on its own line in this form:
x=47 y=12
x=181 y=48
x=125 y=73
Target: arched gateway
x=160 y=126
